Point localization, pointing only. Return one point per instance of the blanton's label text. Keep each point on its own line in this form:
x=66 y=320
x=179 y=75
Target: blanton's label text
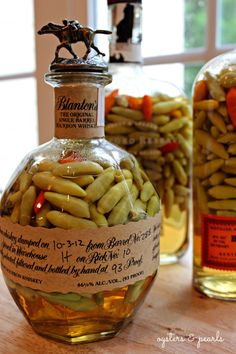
x=80 y=261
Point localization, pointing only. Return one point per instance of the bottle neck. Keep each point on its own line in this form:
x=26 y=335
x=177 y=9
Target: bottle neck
x=79 y=112
x=125 y=21
x=79 y=104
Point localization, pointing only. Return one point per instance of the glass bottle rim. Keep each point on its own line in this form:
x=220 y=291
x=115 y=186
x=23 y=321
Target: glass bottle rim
x=58 y=78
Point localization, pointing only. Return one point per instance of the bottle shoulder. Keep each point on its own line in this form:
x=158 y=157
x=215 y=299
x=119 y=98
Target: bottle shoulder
x=67 y=150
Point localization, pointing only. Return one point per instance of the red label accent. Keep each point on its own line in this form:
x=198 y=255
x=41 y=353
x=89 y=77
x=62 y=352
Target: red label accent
x=219 y=242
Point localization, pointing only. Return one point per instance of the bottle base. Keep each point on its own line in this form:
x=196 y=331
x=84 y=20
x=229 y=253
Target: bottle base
x=83 y=333
x=217 y=287
x=172 y=258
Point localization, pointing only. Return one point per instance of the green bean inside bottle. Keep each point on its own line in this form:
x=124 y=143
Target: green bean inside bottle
x=157 y=128
x=79 y=188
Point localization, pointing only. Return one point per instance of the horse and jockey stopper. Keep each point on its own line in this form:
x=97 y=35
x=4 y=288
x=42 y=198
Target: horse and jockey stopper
x=72 y=32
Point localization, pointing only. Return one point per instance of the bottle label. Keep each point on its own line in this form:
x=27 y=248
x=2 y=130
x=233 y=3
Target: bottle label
x=125 y=44
x=79 y=112
x=80 y=261
x=219 y=242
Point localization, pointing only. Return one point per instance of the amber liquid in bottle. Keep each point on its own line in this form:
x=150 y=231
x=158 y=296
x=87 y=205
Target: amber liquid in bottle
x=174 y=235
x=112 y=313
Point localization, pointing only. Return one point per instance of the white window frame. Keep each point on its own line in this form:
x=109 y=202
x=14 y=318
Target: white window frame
x=191 y=55
x=89 y=12
x=197 y=55
x=47 y=11
x=51 y=11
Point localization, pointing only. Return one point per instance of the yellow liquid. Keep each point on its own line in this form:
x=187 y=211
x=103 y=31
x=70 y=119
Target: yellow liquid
x=65 y=324
x=174 y=235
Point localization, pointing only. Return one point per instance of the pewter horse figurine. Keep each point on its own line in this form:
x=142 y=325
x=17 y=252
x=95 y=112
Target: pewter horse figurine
x=72 y=32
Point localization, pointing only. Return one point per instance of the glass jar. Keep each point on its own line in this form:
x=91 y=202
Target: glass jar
x=79 y=254
x=214 y=182
x=152 y=120
x=162 y=146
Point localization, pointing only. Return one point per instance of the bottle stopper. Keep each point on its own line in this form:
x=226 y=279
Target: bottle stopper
x=72 y=32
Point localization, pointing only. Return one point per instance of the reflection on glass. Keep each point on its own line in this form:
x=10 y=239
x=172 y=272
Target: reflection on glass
x=18 y=125
x=180 y=75
x=226 y=22
x=173 y=73
x=17 y=28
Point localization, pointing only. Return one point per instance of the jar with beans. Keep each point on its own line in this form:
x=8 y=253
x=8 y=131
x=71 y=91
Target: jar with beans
x=152 y=120
x=214 y=177
x=154 y=123
x=80 y=219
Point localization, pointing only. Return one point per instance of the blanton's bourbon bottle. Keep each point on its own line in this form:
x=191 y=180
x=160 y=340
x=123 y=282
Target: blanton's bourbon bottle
x=152 y=120
x=214 y=178
x=78 y=255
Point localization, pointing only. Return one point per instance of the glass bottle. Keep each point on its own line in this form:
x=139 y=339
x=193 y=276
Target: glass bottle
x=79 y=256
x=214 y=170
x=152 y=120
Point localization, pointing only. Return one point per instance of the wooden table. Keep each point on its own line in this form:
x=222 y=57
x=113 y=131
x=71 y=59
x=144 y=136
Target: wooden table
x=173 y=309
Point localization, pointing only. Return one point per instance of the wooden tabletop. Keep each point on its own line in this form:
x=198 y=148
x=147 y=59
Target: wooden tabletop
x=172 y=310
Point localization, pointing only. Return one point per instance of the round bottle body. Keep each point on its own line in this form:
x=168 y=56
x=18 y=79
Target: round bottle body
x=79 y=254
